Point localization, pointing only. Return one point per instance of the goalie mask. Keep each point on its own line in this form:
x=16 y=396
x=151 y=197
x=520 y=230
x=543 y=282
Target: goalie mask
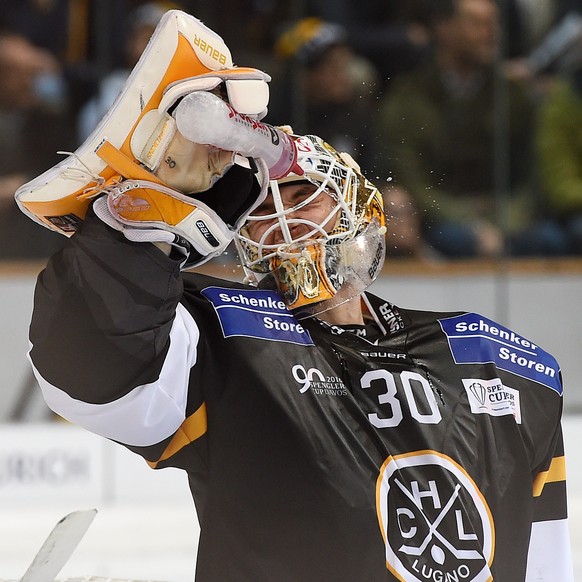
x=318 y=239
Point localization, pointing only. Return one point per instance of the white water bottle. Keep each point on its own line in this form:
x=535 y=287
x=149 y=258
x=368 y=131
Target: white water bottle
x=204 y=118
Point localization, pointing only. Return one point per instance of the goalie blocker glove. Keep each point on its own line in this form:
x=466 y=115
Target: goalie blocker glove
x=198 y=229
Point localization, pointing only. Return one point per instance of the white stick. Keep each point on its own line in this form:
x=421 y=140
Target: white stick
x=59 y=546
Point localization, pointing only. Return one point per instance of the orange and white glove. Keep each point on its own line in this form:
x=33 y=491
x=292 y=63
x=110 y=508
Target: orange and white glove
x=199 y=228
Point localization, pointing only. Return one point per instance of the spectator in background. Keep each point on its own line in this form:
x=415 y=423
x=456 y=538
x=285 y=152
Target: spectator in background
x=526 y=24
x=142 y=22
x=541 y=40
x=45 y=23
x=404 y=238
x=559 y=146
x=32 y=129
x=325 y=86
x=388 y=33
x=439 y=126
x=83 y=35
x=391 y=34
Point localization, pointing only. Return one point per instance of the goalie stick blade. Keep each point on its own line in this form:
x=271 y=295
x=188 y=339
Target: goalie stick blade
x=59 y=546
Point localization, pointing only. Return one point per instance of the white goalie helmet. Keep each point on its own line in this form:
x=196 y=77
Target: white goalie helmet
x=325 y=243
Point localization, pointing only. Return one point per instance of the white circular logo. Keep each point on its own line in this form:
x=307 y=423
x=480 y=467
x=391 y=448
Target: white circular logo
x=434 y=520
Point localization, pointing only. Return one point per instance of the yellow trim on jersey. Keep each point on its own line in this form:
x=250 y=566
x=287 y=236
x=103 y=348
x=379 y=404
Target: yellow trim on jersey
x=556 y=472
x=191 y=429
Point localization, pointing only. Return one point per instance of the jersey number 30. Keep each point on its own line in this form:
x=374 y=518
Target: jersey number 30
x=418 y=395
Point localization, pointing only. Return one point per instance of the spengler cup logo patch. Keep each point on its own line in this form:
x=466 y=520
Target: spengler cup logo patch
x=492 y=397
x=256 y=313
x=475 y=339
x=434 y=520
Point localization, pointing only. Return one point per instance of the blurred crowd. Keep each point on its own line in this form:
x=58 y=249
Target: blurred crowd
x=467 y=114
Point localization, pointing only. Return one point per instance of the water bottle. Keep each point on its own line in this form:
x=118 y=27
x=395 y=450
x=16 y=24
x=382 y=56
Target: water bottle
x=204 y=118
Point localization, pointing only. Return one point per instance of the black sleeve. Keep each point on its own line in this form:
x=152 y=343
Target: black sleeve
x=103 y=310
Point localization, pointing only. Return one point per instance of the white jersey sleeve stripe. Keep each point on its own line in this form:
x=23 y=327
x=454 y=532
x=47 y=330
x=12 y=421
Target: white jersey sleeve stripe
x=549 y=558
x=149 y=413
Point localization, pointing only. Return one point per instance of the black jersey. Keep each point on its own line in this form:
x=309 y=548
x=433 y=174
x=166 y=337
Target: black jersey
x=420 y=447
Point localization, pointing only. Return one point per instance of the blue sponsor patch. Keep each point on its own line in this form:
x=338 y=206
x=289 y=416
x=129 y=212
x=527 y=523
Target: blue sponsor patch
x=256 y=313
x=474 y=339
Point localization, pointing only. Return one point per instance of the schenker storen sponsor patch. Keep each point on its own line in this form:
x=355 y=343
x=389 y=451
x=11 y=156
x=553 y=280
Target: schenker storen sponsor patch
x=256 y=313
x=475 y=339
